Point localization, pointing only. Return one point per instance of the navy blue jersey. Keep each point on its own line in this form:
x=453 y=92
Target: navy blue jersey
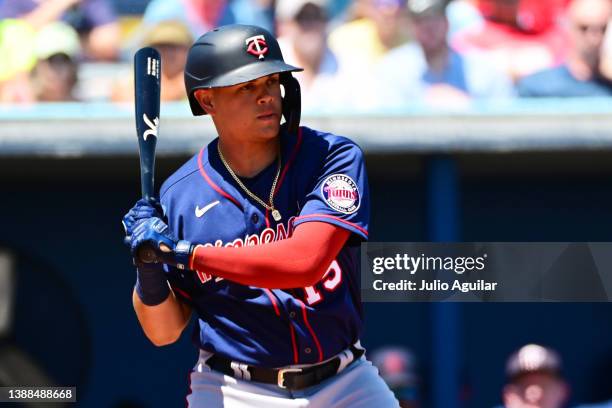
x=323 y=178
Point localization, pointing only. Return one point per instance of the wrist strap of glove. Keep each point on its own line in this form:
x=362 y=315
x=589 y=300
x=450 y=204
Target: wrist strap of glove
x=182 y=253
x=151 y=284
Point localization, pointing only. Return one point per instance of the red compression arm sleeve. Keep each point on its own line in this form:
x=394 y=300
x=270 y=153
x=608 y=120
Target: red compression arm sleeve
x=298 y=261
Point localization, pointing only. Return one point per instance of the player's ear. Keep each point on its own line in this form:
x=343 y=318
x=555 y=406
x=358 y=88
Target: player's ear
x=205 y=98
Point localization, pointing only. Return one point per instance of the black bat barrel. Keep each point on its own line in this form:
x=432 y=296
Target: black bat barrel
x=147 y=84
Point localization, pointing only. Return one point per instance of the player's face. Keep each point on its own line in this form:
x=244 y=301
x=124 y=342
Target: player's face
x=536 y=390
x=251 y=109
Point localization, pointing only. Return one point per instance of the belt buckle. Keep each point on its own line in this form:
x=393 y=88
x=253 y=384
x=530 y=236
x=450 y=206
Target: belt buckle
x=281 y=375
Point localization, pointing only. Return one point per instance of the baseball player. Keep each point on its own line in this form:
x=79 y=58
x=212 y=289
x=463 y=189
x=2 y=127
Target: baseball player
x=258 y=233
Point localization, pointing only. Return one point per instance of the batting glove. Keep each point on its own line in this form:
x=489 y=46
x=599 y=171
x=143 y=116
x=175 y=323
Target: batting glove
x=142 y=209
x=151 y=284
x=153 y=235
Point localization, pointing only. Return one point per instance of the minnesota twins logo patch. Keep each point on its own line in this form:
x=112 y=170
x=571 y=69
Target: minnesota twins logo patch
x=341 y=193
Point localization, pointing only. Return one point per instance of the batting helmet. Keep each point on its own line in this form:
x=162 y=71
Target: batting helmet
x=234 y=54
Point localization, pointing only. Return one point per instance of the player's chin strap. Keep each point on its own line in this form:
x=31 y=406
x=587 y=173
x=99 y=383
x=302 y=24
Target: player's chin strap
x=292 y=102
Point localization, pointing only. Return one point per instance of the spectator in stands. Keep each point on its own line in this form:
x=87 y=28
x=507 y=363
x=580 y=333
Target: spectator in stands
x=55 y=75
x=199 y=15
x=431 y=71
x=397 y=366
x=94 y=20
x=172 y=39
x=463 y=15
x=203 y=15
x=360 y=44
x=580 y=75
x=534 y=379
x=255 y=12
x=338 y=10
x=303 y=40
x=522 y=36
x=18 y=57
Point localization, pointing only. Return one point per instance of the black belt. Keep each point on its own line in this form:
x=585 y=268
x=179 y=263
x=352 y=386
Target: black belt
x=290 y=378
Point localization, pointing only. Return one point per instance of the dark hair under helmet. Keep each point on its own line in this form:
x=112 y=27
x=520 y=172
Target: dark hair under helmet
x=234 y=54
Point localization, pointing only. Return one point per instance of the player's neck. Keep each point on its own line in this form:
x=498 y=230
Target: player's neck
x=249 y=159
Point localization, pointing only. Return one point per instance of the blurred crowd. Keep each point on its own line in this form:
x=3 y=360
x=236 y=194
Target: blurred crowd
x=534 y=378
x=358 y=55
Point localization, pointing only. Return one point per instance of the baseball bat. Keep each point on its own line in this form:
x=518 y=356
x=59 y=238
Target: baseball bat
x=147 y=86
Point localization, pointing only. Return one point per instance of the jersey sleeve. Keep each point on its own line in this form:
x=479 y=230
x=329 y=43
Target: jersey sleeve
x=340 y=194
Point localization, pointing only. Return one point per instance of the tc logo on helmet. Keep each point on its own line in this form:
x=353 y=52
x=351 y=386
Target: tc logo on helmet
x=257 y=46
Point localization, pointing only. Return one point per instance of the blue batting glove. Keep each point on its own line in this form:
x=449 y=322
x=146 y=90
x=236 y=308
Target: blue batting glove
x=154 y=234
x=151 y=284
x=142 y=209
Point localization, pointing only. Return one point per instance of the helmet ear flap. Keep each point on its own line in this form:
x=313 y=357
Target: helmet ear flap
x=292 y=105
x=194 y=104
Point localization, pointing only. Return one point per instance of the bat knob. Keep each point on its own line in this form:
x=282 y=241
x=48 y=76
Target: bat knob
x=146 y=254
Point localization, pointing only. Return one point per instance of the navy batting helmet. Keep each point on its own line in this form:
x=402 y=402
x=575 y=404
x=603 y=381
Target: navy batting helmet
x=233 y=54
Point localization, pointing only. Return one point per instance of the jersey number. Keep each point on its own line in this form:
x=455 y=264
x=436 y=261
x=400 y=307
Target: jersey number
x=331 y=280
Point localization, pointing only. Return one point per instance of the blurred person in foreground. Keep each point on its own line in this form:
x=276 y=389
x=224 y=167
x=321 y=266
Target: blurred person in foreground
x=303 y=41
x=172 y=39
x=398 y=367
x=523 y=36
x=359 y=44
x=94 y=20
x=430 y=71
x=580 y=74
x=534 y=379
